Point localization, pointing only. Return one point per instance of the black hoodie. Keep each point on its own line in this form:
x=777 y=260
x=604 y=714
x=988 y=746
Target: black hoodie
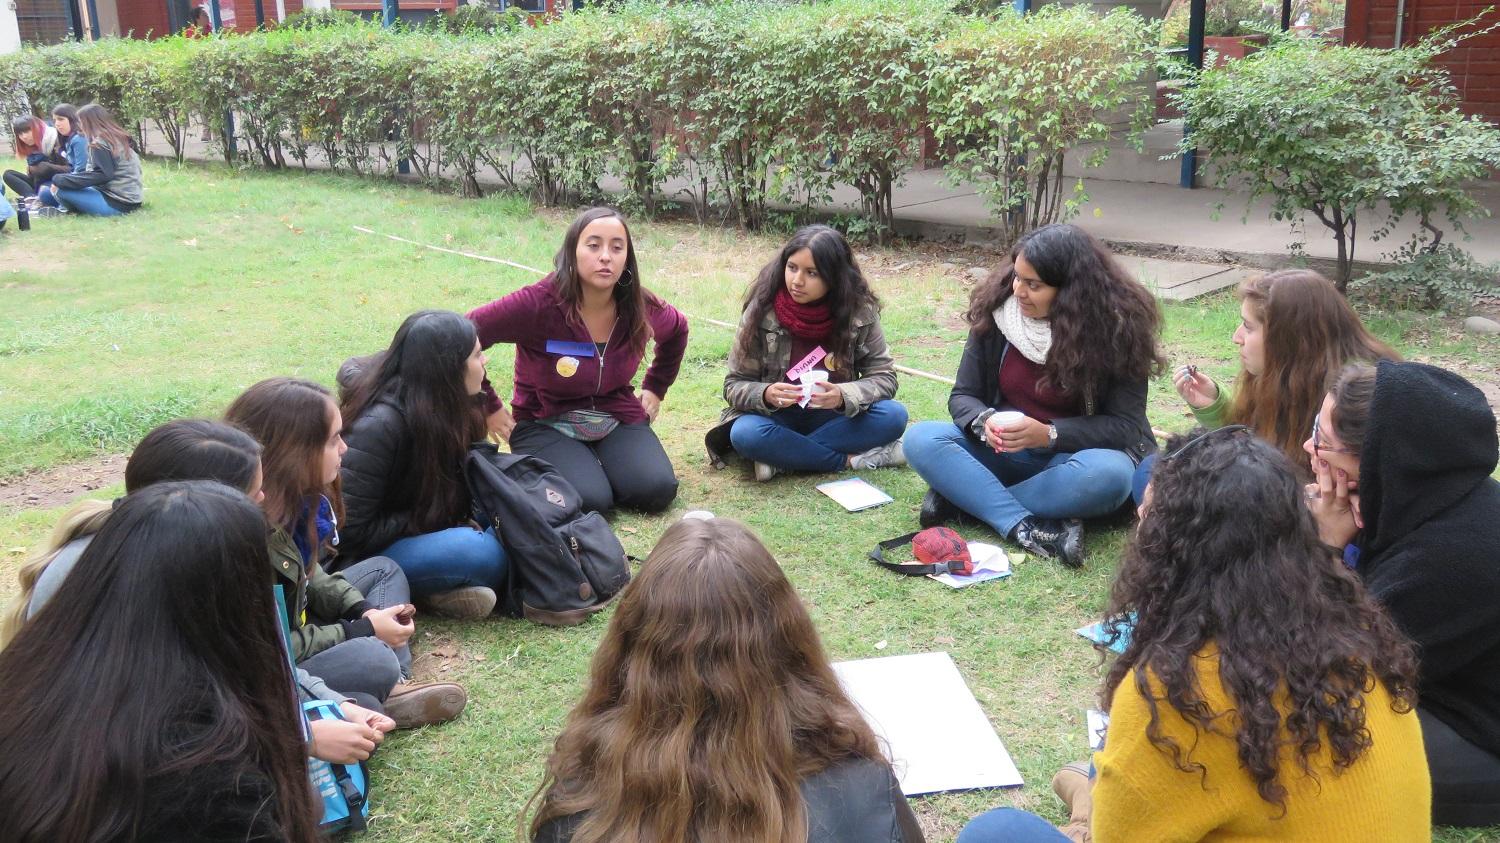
x=1430 y=549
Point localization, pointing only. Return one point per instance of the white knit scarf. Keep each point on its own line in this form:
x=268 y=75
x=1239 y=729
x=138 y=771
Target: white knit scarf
x=1031 y=337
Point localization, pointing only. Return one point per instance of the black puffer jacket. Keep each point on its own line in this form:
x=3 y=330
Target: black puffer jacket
x=856 y=801
x=1430 y=549
x=379 y=496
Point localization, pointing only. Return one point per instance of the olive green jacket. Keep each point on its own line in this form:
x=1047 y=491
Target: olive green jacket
x=323 y=609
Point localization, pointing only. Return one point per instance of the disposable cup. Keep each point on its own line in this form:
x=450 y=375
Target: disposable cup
x=810 y=380
x=1006 y=418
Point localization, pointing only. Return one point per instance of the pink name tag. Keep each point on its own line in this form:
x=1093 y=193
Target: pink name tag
x=805 y=365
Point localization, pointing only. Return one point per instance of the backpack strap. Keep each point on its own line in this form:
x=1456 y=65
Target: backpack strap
x=352 y=796
x=878 y=557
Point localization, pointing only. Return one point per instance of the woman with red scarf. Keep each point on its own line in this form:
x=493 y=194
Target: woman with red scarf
x=810 y=317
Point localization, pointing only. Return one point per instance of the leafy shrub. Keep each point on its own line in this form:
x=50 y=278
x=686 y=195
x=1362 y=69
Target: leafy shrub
x=1430 y=277
x=752 y=102
x=1337 y=131
x=1013 y=94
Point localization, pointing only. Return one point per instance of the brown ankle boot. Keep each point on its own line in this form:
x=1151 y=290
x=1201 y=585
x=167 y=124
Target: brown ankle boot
x=1074 y=787
x=425 y=703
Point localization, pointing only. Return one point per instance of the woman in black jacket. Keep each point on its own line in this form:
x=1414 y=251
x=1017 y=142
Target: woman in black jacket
x=1403 y=453
x=1049 y=411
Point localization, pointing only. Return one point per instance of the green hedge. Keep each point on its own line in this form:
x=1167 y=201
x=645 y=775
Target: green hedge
x=749 y=102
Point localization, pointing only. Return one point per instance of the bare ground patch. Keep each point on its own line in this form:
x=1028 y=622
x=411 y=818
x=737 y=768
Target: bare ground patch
x=57 y=486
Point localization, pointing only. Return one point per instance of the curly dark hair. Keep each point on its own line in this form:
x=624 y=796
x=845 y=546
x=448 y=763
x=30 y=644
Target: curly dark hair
x=1227 y=554
x=1105 y=325
x=848 y=290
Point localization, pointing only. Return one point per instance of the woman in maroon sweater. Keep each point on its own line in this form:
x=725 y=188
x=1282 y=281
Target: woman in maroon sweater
x=580 y=336
x=1049 y=408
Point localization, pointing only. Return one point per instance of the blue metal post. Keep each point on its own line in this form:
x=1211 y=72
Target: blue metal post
x=1021 y=6
x=1189 y=177
x=390 y=12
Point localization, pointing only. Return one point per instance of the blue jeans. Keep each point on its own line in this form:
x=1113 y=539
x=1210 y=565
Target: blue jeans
x=1002 y=489
x=449 y=559
x=1142 y=478
x=45 y=194
x=1009 y=825
x=86 y=200
x=800 y=439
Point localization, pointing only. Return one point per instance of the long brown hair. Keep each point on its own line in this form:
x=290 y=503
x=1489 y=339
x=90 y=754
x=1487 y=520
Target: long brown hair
x=1311 y=333
x=96 y=123
x=291 y=419
x=1105 y=325
x=709 y=700
x=1227 y=558
x=631 y=299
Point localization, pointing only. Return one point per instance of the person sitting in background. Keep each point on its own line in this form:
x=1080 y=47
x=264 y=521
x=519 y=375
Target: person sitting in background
x=712 y=713
x=1263 y=693
x=111 y=185
x=37 y=144
x=1403 y=454
x=152 y=699
x=73 y=149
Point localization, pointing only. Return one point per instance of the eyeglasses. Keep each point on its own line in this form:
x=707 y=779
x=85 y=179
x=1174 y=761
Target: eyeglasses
x=1317 y=439
x=1226 y=430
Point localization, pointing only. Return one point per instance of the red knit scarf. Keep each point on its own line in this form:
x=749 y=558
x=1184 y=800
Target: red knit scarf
x=812 y=321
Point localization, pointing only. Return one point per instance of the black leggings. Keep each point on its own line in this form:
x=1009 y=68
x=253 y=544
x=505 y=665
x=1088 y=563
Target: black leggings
x=1465 y=778
x=626 y=468
x=19 y=184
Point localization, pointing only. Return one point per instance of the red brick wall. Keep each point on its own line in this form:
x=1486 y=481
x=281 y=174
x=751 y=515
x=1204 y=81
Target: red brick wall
x=140 y=17
x=1475 y=65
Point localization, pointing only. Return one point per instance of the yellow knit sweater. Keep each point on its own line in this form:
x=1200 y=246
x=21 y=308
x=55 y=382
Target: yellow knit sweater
x=1141 y=797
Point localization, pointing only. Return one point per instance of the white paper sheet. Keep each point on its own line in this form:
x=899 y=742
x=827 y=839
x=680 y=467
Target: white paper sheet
x=938 y=736
x=990 y=563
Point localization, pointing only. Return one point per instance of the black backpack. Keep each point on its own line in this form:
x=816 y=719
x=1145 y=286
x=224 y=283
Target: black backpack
x=565 y=564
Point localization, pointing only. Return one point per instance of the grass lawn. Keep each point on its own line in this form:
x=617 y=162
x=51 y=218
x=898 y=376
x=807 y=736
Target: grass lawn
x=112 y=326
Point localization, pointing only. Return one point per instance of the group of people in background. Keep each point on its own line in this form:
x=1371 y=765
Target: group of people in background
x=83 y=162
x=1313 y=649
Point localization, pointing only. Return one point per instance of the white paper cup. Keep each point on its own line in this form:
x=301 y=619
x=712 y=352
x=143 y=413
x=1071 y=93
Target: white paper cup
x=1006 y=418
x=809 y=380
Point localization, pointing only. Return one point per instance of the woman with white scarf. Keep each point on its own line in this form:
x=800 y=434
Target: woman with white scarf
x=1049 y=409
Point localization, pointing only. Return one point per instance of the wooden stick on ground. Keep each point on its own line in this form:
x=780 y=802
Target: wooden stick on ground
x=905 y=370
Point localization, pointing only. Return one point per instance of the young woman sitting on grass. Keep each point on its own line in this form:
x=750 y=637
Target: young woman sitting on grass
x=1234 y=716
x=111 y=185
x=409 y=417
x=37 y=144
x=811 y=298
x=1403 y=454
x=580 y=335
x=184 y=449
x=1296 y=332
x=73 y=151
x=152 y=699
x=351 y=627
x=712 y=713
x=1049 y=411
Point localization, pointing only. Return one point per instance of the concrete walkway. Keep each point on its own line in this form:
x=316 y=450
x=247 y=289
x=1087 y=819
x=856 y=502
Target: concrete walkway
x=1183 y=245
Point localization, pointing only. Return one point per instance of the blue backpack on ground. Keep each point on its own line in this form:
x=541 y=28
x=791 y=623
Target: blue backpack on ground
x=344 y=788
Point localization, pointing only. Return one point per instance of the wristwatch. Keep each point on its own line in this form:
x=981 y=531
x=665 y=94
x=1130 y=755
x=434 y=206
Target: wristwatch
x=1052 y=436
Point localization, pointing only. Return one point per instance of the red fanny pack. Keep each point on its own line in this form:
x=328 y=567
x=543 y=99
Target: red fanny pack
x=938 y=550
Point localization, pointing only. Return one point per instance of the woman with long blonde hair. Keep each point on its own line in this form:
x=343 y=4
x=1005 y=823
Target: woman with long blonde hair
x=713 y=714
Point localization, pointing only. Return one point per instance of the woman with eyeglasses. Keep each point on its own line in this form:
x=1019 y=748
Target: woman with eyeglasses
x=1049 y=408
x=1403 y=455
x=1262 y=695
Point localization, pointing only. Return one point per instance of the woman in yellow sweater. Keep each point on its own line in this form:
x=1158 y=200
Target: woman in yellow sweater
x=1263 y=695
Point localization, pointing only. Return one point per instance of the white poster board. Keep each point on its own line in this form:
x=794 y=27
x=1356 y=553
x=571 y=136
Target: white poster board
x=938 y=736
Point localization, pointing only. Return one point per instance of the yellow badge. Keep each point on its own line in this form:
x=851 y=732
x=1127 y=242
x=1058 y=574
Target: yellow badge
x=567 y=366
x=830 y=363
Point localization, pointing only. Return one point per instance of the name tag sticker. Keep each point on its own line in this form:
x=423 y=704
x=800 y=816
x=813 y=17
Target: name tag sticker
x=571 y=349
